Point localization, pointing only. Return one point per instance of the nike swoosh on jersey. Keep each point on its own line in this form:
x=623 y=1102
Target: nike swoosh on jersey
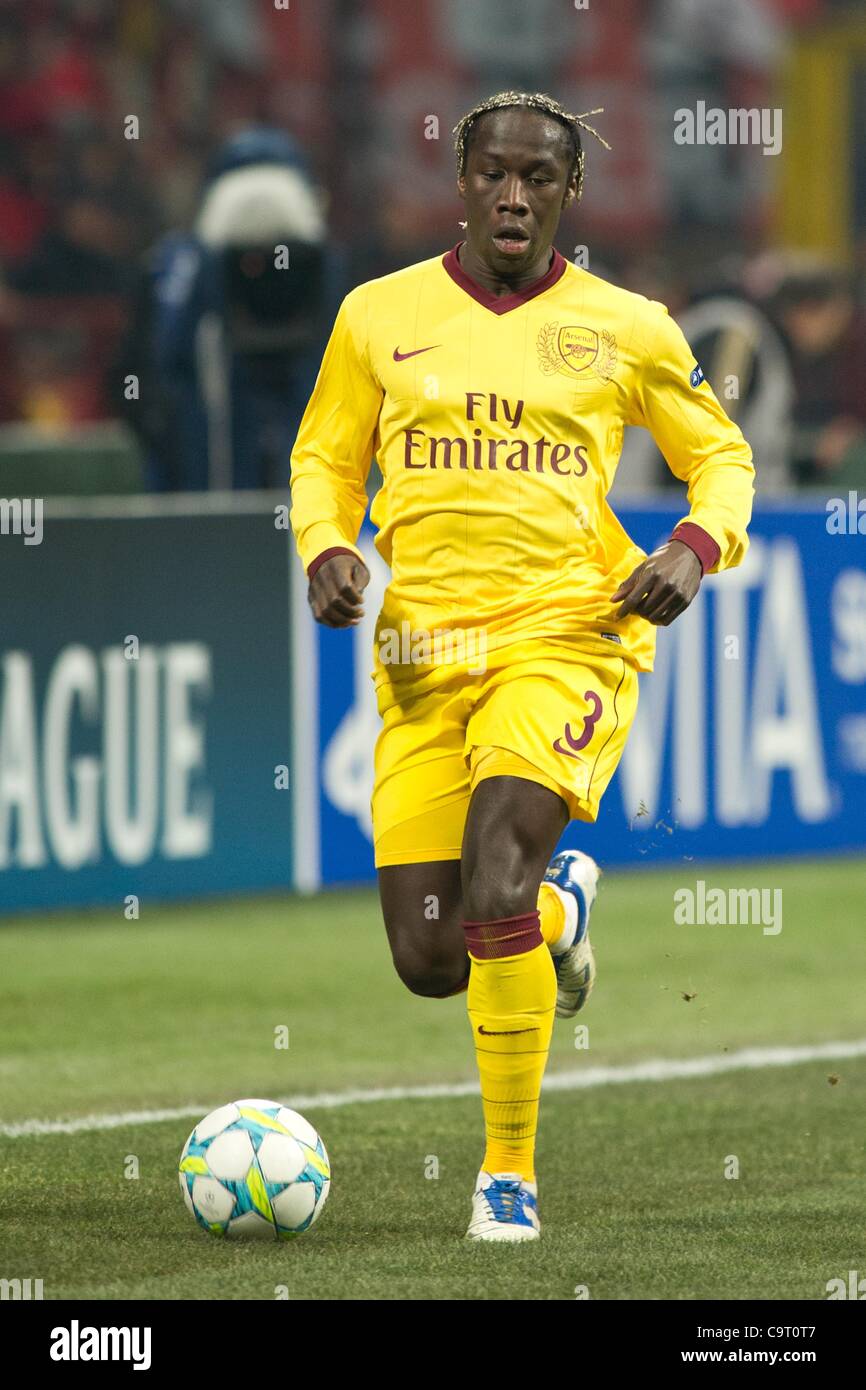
x=401 y=356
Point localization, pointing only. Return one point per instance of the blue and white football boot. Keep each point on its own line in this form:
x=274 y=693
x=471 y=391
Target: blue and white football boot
x=504 y=1207
x=574 y=877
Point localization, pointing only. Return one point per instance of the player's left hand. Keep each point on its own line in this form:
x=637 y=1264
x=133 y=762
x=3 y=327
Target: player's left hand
x=663 y=586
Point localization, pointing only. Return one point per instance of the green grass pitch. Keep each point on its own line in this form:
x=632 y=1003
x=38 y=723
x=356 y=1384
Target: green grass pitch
x=179 y=1009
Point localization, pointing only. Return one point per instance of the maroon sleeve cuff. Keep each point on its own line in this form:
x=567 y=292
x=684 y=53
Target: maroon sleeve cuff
x=316 y=564
x=698 y=540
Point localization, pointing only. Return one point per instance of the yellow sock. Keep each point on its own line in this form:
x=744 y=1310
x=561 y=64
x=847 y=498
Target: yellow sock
x=511 y=1000
x=551 y=912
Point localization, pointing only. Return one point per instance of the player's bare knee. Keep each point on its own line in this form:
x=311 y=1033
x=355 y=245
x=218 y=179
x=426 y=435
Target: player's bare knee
x=429 y=978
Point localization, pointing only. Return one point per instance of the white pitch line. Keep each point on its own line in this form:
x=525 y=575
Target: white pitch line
x=654 y=1069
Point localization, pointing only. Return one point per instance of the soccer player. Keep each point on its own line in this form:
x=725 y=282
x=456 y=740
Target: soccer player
x=492 y=384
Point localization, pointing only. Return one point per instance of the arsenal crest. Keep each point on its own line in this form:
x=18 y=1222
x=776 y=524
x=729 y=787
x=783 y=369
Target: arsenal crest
x=573 y=350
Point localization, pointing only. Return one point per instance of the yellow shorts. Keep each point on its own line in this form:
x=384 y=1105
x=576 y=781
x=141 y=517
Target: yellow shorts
x=560 y=719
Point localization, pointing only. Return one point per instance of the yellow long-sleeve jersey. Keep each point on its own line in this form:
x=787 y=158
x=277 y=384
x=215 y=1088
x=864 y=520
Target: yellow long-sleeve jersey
x=497 y=424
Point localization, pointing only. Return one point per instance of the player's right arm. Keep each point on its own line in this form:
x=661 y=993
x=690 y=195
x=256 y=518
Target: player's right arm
x=330 y=463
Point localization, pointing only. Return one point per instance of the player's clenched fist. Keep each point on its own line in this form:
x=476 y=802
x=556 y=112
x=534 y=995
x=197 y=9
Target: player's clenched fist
x=336 y=591
x=663 y=586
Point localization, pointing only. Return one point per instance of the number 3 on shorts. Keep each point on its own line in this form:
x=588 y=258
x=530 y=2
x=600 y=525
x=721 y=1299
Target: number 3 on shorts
x=593 y=699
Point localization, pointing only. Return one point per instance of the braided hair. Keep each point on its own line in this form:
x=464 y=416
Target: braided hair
x=534 y=101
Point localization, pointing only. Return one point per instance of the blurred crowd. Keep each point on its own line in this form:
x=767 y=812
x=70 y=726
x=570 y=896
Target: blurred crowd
x=136 y=136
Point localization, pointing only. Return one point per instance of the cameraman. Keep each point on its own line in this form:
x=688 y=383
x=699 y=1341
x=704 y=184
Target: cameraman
x=230 y=323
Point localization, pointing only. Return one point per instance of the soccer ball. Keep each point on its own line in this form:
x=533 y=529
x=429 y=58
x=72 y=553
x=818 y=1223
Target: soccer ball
x=254 y=1168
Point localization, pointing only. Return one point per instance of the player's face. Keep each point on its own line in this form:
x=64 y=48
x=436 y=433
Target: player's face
x=515 y=187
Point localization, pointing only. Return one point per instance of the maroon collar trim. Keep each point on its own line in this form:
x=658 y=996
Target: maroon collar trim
x=501 y=304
